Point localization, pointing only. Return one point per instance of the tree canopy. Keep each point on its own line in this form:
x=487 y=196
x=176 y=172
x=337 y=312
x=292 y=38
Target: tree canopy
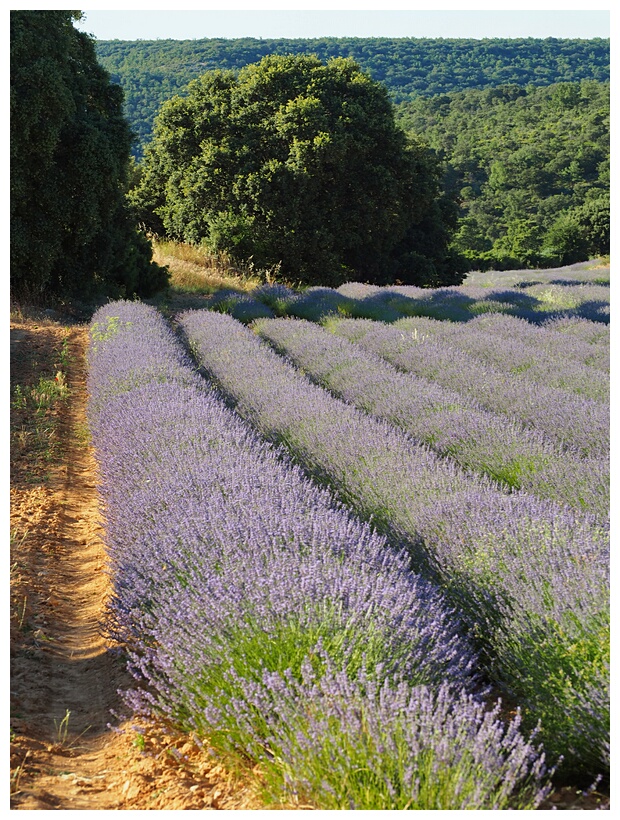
x=152 y=71
x=71 y=227
x=530 y=167
x=298 y=164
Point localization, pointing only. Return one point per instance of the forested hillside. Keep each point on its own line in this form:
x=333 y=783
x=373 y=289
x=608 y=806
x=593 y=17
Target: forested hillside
x=530 y=167
x=153 y=71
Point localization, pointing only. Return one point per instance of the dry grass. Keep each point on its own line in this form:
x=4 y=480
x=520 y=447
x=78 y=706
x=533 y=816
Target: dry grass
x=195 y=270
x=603 y=262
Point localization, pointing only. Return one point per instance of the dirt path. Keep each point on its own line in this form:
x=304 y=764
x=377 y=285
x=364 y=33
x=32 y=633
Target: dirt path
x=64 y=673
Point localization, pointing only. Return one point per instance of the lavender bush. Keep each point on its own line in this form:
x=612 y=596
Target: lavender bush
x=509 y=355
x=547 y=577
x=317 y=302
x=548 y=340
x=573 y=420
x=563 y=342
x=538 y=299
x=589 y=301
x=248 y=599
x=593 y=333
x=275 y=296
x=536 y=296
x=337 y=443
x=450 y=423
x=398 y=746
x=243 y=306
x=577 y=273
x=447 y=303
x=424 y=501
x=359 y=290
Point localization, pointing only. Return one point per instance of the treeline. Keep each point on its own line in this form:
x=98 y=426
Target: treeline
x=151 y=72
x=529 y=166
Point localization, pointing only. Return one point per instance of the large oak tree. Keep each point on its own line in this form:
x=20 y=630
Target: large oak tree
x=298 y=164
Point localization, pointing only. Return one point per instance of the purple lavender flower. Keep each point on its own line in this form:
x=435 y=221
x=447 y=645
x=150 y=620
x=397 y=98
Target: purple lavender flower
x=237 y=582
x=394 y=746
x=546 y=298
x=243 y=306
x=593 y=333
x=427 y=502
x=276 y=296
x=538 y=362
x=573 y=420
x=449 y=422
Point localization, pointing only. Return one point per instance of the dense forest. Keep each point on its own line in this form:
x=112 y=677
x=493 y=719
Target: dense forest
x=151 y=72
x=529 y=166
x=520 y=127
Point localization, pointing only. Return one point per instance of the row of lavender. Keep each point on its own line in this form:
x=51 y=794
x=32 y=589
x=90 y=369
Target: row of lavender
x=499 y=344
x=570 y=419
x=450 y=422
x=568 y=366
x=529 y=576
x=257 y=612
x=577 y=341
x=591 y=272
x=537 y=303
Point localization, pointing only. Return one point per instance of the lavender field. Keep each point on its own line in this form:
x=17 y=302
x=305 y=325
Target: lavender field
x=363 y=541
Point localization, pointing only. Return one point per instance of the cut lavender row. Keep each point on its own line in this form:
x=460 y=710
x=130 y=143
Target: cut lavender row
x=573 y=420
x=423 y=499
x=235 y=577
x=450 y=423
x=511 y=357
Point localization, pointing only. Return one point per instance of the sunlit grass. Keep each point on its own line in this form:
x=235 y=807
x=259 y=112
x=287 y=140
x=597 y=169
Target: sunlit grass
x=34 y=416
x=194 y=270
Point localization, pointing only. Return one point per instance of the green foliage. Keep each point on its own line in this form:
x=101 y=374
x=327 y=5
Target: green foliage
x=565 y=240
x=152 y=72
x=301 y=165
x=530 y=167
x=71 y=229
x=571 y=657
x=592 y=221
x=101 y=333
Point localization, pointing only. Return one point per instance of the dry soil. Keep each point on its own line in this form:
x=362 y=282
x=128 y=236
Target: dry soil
x=69 y=750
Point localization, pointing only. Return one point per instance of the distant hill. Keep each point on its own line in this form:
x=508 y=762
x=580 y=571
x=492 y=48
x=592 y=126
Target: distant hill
x=528 y=166
x=152 y=71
